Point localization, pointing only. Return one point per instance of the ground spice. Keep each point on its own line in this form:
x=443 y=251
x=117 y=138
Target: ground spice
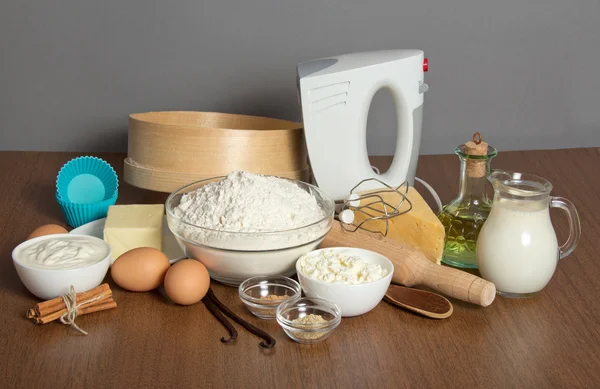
x=305 y=323
x=273 y=297
x=276 y=299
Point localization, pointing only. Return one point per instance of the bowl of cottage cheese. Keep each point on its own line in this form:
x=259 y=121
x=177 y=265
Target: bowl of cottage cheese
x=245 y=225
x=356 y=280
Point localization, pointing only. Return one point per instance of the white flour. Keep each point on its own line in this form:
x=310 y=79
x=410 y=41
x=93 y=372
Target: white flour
x=254 y=205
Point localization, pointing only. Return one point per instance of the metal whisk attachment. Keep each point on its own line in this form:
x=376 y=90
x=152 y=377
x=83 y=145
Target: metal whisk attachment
x=365 y=204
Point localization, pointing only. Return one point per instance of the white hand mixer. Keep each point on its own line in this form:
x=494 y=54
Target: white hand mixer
x=336 y=94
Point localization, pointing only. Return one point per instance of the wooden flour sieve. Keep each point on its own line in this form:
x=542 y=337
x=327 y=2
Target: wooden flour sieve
x=167 y=150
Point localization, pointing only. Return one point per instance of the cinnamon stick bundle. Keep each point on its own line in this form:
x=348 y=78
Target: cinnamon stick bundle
x=94 y=300
x=46 y=307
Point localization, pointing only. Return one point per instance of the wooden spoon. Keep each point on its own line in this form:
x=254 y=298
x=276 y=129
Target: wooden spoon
x=424 y=303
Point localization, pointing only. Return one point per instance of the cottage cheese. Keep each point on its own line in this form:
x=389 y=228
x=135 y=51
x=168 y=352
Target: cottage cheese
x=341 y=267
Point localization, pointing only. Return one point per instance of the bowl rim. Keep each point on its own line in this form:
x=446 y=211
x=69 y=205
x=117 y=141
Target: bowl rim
x=198 y=244
x=386 y=279
x=322 y=304
x=249 y=282
x=47 y=237
x=328 y=215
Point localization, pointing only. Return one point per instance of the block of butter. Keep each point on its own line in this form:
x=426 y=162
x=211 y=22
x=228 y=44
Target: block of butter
x=131 y=226
x=419 y=228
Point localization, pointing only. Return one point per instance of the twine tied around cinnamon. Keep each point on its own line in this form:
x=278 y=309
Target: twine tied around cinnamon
x=71 y=305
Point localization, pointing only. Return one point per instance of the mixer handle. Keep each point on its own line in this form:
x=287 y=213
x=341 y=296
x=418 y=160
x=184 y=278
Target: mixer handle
x=397 y=172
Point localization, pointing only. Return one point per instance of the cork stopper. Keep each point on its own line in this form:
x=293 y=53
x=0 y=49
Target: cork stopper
x=476 y=168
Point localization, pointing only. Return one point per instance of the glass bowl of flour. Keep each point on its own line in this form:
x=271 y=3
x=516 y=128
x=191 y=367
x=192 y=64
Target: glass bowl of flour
x=245 y=225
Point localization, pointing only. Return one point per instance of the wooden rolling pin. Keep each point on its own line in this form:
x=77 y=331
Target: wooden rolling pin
x=411 y=267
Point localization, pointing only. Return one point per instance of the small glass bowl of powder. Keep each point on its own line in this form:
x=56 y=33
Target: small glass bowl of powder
x=308 y=320
x=262 y=295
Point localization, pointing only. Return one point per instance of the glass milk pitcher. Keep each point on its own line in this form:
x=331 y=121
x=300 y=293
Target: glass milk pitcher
x=517 y=248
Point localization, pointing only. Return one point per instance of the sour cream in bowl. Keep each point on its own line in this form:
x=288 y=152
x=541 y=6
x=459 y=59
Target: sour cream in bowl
x=49 y=265
x=354 y=279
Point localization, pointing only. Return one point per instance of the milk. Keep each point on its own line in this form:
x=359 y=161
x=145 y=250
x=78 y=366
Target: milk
x=517 y=247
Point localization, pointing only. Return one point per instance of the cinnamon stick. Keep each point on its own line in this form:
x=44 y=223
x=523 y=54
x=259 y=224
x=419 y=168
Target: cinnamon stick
x=97 y=306
x=56 y=304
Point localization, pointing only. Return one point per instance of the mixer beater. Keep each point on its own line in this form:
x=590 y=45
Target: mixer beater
x=366 y=202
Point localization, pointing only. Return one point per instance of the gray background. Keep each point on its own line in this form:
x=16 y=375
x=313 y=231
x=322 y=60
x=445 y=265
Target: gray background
x=525 y=73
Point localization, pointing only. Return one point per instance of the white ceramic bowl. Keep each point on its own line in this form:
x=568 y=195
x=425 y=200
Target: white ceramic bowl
x=352 y=299
x=50 y=283
x=232 y=257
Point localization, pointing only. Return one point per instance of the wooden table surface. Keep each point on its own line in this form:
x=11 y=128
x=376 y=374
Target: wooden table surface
x=549 y=340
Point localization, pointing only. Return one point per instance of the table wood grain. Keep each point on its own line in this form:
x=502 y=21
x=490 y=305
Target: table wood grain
x=550 y=340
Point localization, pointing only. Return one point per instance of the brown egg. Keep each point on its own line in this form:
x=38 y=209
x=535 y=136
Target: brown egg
x=47 y=229
x=141 y=269
x=187 y=282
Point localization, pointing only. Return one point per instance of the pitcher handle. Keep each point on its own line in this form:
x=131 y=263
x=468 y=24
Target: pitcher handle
x=574 y=225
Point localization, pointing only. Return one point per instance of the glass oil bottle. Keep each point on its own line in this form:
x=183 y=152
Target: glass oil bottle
x=464 y=216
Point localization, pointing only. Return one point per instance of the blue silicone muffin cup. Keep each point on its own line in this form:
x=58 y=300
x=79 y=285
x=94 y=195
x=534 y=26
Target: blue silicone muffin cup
x=86 y=180
x=85 y=188
x=79 y=214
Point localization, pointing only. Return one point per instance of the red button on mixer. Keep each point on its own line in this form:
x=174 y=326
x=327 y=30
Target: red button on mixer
x=425 y=65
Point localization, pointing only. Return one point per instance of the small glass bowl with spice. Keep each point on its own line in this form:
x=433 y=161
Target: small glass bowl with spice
x=262 y=295
x=308 y=320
